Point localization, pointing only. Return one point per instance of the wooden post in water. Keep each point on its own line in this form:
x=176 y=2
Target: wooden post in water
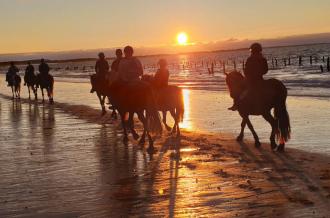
x=224 y=67
x=323 y=59
x=328 y=64
x=289 y=59
x=273 y=63
x=311 y=60
x=234 y=64
x=284 y=61
x=300 y=61
x=276 y=62
x=321 y=68
x=243 y=65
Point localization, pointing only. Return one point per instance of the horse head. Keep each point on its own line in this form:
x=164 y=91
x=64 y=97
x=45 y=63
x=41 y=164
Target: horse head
x=235 y=82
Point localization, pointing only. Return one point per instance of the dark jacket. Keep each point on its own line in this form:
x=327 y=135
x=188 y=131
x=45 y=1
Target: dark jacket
x=101 y=67
x=115 y=65
x=161 y=78
x=256 y=66
x=44 y=69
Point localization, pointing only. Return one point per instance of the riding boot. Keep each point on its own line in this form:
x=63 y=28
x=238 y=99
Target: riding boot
x=234 y=107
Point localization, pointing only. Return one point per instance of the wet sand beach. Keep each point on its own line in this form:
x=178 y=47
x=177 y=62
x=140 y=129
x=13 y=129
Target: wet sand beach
x=65 y=160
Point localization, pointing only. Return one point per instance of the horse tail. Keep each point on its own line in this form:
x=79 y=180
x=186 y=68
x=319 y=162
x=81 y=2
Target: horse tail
x=180 y=107
x=153 y=117
x=282 y=116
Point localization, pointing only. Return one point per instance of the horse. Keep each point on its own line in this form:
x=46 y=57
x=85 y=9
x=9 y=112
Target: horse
x=15 y=83
x=100 y=87
x=30 y=80
x=169 y=98
x=135 y=97
x=255 y=102
x=46 y=82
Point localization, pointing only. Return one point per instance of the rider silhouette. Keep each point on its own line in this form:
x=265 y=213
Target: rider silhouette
x=162 y=74
x=256 y=66
x=11 y=74
x=43 y=69
x=115 y=63
x=101 y=69
x=130 y=68
x=29 y=72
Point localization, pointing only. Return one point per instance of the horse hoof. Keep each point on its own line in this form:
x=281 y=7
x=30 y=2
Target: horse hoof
x=257 y=144
x=273 y=146
x=239 y=138
x=280 y=148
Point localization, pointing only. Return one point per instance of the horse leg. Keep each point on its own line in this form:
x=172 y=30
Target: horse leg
x=43 y=96
x=131 y=126
x=164 y=121
x=176 y=127
x=270 y=119
x=29 y=92
x=256 y=138
x=12 y=90
x=125 y=139
x=151 y=147
x=144 y=122
x=35 y=91
x=241 y=135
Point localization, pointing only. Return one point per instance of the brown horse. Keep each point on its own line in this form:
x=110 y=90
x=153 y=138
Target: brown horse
x=31 y=82
x=15 y=83
x=170 y=99
x=100 y=87
x=46 y=82
x=136 y=97
x=271 y=94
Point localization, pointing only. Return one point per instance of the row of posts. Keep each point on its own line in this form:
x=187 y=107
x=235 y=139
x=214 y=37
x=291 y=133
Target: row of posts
x=210 y=65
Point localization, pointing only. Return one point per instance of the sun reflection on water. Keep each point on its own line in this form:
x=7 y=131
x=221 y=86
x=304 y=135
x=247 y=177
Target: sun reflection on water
x=186 y=124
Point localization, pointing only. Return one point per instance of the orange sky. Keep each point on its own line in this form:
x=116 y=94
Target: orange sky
x=47 y=25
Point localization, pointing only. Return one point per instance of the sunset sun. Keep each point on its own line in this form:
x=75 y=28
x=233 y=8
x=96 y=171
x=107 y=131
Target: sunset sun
x=182 y=38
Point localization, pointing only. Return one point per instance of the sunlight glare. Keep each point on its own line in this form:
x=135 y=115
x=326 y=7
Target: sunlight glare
x=182 y=38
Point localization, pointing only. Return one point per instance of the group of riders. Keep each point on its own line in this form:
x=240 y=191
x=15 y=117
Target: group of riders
x=129 y=91
x=31 y=79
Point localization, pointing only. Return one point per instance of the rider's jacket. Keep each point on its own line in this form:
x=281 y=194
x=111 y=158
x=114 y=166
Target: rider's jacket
x=29 y=71
x=256 y=66
x=101 y=67
x=130 y=69
x=161 y=78
x=44 y=69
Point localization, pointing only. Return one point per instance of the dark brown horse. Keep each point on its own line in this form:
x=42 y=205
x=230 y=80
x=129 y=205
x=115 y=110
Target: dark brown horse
x=136 y=97
x=100 y=87
x=170 y=99
x=30 y=80
x=270 y=94
x=46 y=82
x=15 y=83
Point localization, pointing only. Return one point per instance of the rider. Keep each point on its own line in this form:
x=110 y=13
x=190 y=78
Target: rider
x=11 y=74
x=29 y=72
x=256 y=66
x=130 y=68
x=162 y=74
x=101 y=69
x=43 y=69
x=115 y=63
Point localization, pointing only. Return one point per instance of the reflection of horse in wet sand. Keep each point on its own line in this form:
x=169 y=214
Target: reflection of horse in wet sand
x=46 y=82
x=15 y=84
x=170 y=99
x=31 y=83
x=138 y=98
x=100 y=88
x=273 y=95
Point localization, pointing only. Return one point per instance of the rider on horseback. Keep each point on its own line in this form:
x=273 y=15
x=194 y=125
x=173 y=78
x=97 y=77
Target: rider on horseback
x=115 y=63
x=43 y=69
x=101 y=69
x=11 y=74
x=29 y=73
x=256 y=66
x=162 y=75
x=130 y=68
